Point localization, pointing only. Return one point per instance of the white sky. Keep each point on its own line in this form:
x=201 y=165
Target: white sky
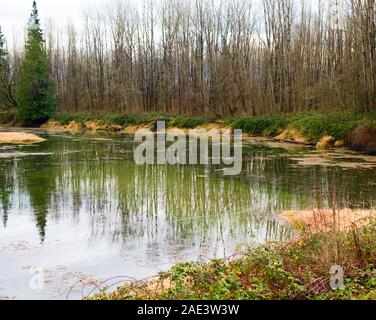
x=14 y=14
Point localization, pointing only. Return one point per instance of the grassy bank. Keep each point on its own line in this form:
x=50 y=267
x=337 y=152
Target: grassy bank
x=355 y=130
x=313 y=127
x=297 y=270
x=125 y=120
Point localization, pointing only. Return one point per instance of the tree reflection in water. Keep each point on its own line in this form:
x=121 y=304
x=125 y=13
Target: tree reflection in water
x=180 y=206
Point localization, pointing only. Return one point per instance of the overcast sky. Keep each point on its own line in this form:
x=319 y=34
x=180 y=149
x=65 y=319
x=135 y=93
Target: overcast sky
x=14 y=14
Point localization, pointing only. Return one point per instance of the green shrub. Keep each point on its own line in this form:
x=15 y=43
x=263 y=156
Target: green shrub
x=65 y=119
x=188 y=122
x=312 y=126
x=315 y=126
x=341 y=129
x=258 y=125
x=121 y=120
x=155 y=116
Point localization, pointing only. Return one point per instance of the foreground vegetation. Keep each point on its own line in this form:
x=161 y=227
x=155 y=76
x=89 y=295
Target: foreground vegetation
x=297 y=270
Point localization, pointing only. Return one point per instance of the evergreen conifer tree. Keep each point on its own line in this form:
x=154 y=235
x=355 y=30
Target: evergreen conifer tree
x=36 y=100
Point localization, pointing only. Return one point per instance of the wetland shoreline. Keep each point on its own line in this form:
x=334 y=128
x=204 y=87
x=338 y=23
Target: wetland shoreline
x=226 y=279
x=297 y=270
x=325 y=131
x=356 y=131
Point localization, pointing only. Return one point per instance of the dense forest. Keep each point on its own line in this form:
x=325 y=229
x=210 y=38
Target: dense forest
x=212 y=57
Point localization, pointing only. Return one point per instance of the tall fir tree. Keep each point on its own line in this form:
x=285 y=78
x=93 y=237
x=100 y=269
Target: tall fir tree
x=36 y=99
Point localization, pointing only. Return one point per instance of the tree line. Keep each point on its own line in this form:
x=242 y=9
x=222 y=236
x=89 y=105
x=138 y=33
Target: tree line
x=213 y=57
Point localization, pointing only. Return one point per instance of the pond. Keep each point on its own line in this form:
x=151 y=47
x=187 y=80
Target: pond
x=76 y=210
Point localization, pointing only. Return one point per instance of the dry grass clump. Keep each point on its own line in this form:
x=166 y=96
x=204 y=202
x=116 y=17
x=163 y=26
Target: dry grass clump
x=292 y=135
x=325 y=220
x=326 y=142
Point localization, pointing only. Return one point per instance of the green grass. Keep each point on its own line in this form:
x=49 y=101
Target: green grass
x=121 y=120
x=188 y=122
x=315 y=126
x=261 y=125
x=299 y=270
x=65 y=119
x=312 y=126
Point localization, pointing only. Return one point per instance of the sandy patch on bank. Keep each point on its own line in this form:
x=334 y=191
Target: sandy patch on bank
x=101 y=126
x=204 y=130
x=132 y=129
x=148 y=127
x=214 y=126
x=324 y=220
x=52 y=124
x=75 y=126
x=19 y=138
x=292 y=135
x=326 y=142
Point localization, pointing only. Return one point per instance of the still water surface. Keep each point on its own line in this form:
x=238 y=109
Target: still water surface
x=76 y=207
